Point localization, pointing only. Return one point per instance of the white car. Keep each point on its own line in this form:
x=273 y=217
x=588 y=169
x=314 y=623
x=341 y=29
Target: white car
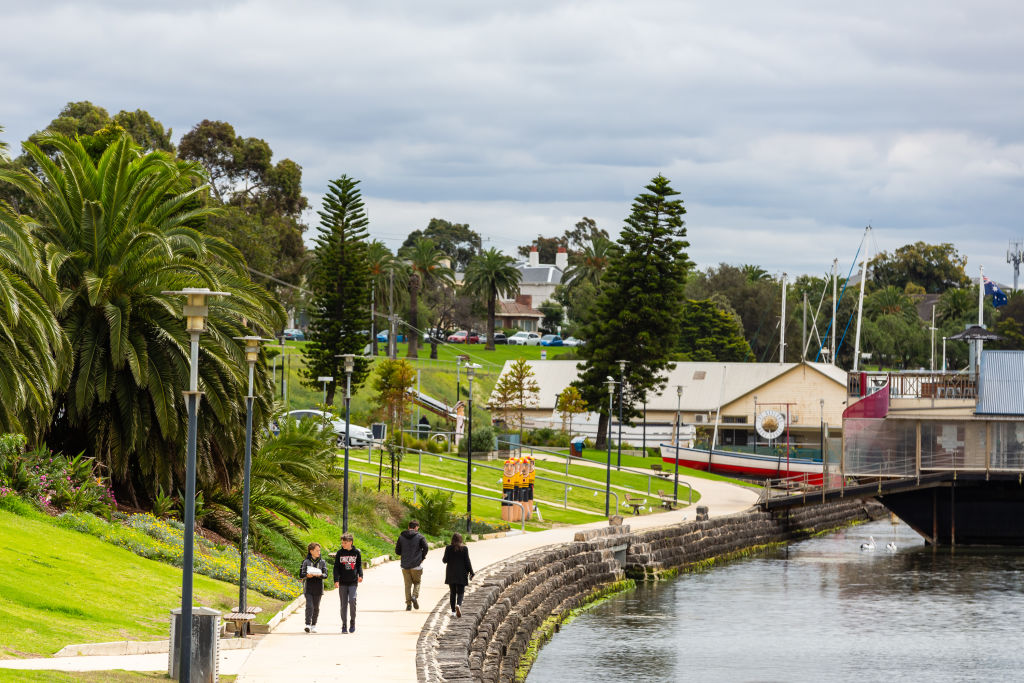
x=361 y=436
x=524 y=339
x=572 y=341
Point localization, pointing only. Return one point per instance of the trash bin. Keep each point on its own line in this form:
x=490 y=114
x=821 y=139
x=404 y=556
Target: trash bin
x=576 y=446
x=205 y=643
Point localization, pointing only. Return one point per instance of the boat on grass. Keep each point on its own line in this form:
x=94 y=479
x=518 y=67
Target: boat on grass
x=747 y=464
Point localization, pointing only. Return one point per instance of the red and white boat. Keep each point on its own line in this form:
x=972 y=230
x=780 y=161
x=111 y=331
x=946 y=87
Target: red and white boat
x=748 y=464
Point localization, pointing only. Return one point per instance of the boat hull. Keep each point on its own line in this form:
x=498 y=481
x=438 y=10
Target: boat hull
x=762 y=466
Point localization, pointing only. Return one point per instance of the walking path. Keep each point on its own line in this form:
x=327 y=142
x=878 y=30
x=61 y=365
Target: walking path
x=383 y=648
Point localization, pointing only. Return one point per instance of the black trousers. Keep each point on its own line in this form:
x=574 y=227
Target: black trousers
x=312 y=606
x=455 y=593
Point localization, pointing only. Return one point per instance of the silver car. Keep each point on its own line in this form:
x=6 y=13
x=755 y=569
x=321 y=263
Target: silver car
x=524 y=339
x=361 y=436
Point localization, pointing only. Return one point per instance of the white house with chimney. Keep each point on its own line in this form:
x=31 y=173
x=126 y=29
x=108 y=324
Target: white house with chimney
x=536 y=286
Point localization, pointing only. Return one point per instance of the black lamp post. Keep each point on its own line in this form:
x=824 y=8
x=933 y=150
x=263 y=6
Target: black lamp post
x=679 y=426
x=252 y=354
x=196 y=312
x=608 y=473
x=469 y=456
x=622 y=390
x=350 y=362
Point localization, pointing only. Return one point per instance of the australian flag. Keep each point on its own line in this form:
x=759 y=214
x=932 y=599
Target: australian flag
x=998 y=298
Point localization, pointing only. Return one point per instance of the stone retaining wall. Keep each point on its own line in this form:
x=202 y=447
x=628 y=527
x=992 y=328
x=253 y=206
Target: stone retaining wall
x=507 y=602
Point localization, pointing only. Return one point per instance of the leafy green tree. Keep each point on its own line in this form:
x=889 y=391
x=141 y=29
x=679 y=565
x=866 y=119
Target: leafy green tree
x=383 y=268
x=936 y=267
x=710 y=334
x=591 y=262
x=570 y=403
x=34 y=353
x=456 y=240
x=515 y=391
x=637 y=316
x=340 y=281
x=488 y=276
x=116 y=234
x=547 y=248
x=752 y=294
x=427 y=269
x=890 y=301
x=553 y=313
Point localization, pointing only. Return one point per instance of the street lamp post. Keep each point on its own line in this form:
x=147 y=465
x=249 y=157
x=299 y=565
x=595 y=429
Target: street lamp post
x=252 y=354
x=469 y=456
x=944 y=353
x=350 y=362
x=458 y=388
x=195 y=312
x=755 y=424
x=608 y=471
x=679 y=425
x=622 y=390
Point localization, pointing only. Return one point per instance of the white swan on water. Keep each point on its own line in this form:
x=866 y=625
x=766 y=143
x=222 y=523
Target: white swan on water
x=870 y=545
x=891 y=546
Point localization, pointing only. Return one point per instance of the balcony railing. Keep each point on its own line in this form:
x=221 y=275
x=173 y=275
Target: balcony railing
x=920 y=384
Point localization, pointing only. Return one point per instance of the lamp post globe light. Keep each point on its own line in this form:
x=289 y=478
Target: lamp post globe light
x=679 y=427
x=622 y=390
x=195 y=311
x=608 y=470
x=350 y=363
x=469 y=454
x=252 y=354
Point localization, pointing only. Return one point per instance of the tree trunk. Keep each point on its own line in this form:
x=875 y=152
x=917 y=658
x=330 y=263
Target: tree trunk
x=602 y=431
x=433 y=347
x=490 y=322
x=330 y=394
x=414 y=315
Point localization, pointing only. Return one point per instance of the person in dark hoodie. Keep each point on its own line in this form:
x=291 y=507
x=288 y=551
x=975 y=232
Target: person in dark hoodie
x=312 y=573
x=411 y=547
x=348 y=574
x=458 y=572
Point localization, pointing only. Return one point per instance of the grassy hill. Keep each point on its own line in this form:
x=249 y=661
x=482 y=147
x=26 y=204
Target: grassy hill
x=59 y=587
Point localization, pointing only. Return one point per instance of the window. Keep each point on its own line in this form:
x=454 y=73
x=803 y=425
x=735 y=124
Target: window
x=734 y=419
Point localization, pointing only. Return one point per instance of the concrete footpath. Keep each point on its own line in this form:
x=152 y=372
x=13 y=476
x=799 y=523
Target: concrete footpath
x=383 y=647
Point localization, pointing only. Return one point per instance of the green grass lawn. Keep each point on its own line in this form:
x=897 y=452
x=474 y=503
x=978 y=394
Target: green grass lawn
x=59 y=587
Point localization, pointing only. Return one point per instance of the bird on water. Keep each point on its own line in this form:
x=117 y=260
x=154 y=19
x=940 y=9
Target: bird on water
x=870 y=545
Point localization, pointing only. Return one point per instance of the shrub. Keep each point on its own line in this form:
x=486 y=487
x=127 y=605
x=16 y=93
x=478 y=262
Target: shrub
x=483 y=440
x=52 y=481
x=434 y=510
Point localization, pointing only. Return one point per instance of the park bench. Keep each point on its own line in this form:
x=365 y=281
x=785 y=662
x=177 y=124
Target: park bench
x=666 y=500
x=240 y=621
x=635 y=503
x=657 y=470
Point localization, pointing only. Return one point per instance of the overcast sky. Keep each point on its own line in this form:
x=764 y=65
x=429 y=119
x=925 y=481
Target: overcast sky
x=786 y=127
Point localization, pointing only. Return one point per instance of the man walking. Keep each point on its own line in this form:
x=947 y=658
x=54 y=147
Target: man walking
x=348 y=574
x=411 y=547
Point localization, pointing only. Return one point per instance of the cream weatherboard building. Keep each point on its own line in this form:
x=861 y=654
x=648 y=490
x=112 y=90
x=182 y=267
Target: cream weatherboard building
x=811 y=394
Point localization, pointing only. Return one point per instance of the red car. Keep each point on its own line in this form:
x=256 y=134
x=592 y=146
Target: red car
x=464 y=337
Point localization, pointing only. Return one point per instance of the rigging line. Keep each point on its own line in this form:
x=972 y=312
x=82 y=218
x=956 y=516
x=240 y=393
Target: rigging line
x=280 y=282
x=841 y=294
x=814 y=320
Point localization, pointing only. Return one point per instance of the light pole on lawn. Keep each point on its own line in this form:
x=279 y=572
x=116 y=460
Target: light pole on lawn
x=458 y=388
x=350 y=363
x=252 y=354
x=622 y=390
x=679 y=427
x=608 y=470
x=469 y=456
x=195 y=311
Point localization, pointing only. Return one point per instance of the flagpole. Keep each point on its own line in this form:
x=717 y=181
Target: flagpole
x=981 y=319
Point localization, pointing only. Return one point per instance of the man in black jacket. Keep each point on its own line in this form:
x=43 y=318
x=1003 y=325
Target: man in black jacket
x=411 y=547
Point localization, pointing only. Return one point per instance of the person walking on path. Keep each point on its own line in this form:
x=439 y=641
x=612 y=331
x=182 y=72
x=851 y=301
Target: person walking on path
x=458 y=572
x=411 y=547
x=348 y=574
x=312 y=573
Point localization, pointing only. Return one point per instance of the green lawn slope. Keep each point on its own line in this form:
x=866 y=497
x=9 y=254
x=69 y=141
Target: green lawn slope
x=59 y=587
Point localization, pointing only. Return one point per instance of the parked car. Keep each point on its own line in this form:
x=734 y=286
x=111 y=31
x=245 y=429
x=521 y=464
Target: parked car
x=437 y=334
x=293 y=334
x=572 y=341
x=382 y=337
x=499 y=338
x=464 y=337
x=550 y=340
x=361 y=436
x=524 y=339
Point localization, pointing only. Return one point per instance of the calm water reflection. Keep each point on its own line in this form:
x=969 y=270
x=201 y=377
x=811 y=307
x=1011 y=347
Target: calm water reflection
x=823 y=610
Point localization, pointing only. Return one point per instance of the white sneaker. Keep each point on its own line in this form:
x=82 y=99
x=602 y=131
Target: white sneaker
x=453 y=613
x=312 y=629
x=307 y=628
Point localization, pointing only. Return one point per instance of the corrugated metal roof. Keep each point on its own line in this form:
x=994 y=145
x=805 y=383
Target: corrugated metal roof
x=703 y=382
x=1001 y=389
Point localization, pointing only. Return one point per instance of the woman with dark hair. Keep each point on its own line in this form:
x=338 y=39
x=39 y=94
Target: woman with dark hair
x=458 y=573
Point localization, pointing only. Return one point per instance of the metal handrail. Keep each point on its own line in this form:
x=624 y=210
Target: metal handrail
x=442 y=488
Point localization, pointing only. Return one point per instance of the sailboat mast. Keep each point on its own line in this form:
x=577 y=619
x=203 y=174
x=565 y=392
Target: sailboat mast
x=782 y=324
x=835 y=287
x=860 y=300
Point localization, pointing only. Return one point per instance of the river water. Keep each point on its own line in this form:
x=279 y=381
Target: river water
x=819 y=610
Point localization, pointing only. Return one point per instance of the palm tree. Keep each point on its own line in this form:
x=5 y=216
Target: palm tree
x=890 y=301
x=116 y=233
x=3 y=147
x=427 y=266
x=388 y=279
x=591 y=263
x=489 y=275
x=34 y=353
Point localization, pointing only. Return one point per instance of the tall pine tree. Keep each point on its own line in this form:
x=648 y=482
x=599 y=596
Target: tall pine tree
x=638 y=314
x=340 y=280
